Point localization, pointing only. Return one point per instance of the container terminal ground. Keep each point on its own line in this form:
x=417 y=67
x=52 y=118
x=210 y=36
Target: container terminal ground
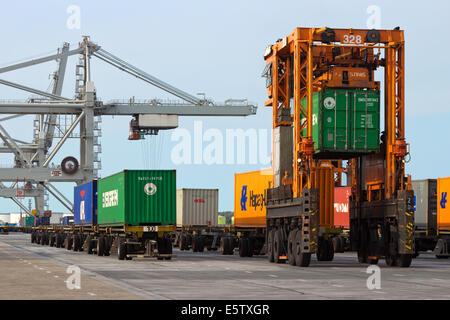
x=31 y=271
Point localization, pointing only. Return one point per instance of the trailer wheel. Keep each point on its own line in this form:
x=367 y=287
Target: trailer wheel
x=52 y=240
x=230 y=245
x=223 y=245
x=201 y=244
x=301 y=259
x=251 y=246
x=100 y=246
x=89 y=244
x=43 y=239
x=277 y=247
x=404 y=260
x=391 y=260
x=341 y=244
x=76 y=242
x=107 y=246
x=122 y=249
x=243 y=247
x=182 y=242
x=57 y=239
x=330 y=250
x=322 y=250
x=69 y=242
x=291 y=247
x=270 y=253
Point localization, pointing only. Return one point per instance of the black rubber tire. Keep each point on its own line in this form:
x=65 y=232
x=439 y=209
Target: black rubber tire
x=76 y=242
x=291 y=247
x=182 y=242
x=195 y=243
x=122 y=249
x=230 y=245
x=68 y=170
x=277 y=247
x=69 y=242
x=89 y=245
x=336 y=244
x=330 y=250
x=100 y=246
x=243 y=247
x=341 y=244
x=391 y=260
x=106 y=246
x=57 y=240
x=441 y=257
x=404 y=260
x=270 y=237
x=301 y=259
x=322 y=250
x=51 y=239
x=169 y=246
x=251 y=247
x=201 y=244
x=362 y=256
x=222 y=246
x=44 y=239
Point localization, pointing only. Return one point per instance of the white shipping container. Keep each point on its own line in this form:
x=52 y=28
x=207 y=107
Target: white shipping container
x=197 y=207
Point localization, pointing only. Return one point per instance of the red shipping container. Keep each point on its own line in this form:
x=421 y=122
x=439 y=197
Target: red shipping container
x=341 y=207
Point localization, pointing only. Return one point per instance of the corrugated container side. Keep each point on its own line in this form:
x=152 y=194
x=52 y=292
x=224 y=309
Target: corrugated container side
x=85 y=204
x=443 y=203
x=197 y=207
x=425 y=204
x=250 y=197
x=137 y=197
x=346 y=120
x=341 y=207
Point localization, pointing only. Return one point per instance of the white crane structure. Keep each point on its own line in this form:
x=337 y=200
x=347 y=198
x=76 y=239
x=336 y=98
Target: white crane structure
x=32 y=159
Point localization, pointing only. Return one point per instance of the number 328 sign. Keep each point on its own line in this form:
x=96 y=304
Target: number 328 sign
x=352 y=39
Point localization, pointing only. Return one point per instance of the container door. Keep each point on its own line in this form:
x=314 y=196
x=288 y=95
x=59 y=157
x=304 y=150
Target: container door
x=366 y=121
x=335 y=117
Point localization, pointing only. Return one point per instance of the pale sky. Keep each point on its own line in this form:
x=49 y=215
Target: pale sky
x=216 y=48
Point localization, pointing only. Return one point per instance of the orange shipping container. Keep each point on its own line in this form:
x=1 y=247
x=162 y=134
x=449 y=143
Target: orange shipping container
x=443 y=212
x=250 y=197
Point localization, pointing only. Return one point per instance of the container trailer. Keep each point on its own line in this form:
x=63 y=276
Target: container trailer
x=431 y=217
x=197 y=220
x=130 y=213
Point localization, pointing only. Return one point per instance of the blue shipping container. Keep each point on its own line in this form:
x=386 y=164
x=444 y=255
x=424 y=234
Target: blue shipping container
x=43 y=221
x=85 y=204
x=66 y=221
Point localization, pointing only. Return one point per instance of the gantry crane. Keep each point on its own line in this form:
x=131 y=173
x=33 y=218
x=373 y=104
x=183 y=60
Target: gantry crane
x=326 y=110
x=32 y=160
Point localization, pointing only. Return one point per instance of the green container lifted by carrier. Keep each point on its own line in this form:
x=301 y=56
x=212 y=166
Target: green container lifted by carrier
x=345 y=121
x=137 y=198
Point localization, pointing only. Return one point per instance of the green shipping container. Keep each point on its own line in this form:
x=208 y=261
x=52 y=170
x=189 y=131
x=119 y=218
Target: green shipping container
x=28 y=221
x=137 y=197
x=346 y=121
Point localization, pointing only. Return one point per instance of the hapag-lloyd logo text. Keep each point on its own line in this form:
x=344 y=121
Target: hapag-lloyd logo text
x=110 y=198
